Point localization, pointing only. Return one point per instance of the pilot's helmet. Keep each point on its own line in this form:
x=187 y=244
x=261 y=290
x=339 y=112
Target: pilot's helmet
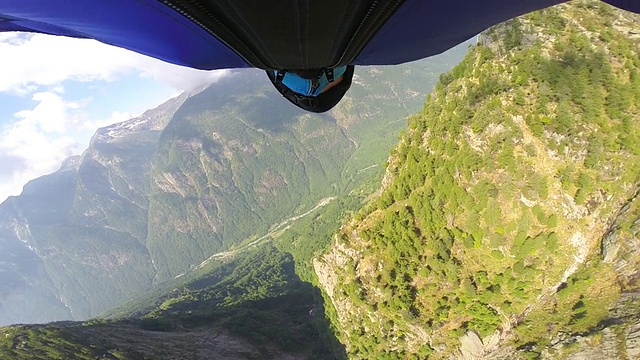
x=315 y=90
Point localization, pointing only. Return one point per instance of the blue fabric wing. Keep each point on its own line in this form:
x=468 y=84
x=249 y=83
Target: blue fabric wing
x=631 y=5
x=417 y=28
x=144 y=26
x=424 y=28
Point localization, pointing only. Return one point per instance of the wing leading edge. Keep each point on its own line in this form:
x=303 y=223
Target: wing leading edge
x=272 y=34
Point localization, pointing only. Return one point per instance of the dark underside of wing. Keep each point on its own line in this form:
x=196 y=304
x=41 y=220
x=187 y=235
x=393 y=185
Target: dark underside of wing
x=291 y=34
x=272 y=34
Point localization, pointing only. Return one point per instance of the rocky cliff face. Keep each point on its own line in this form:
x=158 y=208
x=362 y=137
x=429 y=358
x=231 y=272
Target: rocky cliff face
x=507 y=226
x=81 y=226
x=619 y=334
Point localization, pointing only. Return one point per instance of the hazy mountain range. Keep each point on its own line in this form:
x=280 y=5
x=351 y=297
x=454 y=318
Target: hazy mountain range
x=155 y=196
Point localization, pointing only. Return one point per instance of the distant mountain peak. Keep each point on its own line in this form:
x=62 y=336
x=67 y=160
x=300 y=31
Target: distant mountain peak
x=71 y=163
x=151 y=120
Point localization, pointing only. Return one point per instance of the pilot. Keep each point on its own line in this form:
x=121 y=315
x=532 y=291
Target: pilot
x=315 y=90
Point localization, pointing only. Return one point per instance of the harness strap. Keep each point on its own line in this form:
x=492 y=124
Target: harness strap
x=309 y=101
x=329 y=73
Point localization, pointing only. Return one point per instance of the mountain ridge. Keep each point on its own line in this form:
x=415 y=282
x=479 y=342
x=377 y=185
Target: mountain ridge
x=486 y=239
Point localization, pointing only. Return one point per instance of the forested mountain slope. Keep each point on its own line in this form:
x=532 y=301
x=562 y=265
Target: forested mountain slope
x=508 y=223
x=252 y=306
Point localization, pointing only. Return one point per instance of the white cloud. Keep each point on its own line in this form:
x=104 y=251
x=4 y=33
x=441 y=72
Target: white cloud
x=180 y=77
x=116 y=117
x=29 y=61
x=33 y=155
x=38 y=140
x=52 y=114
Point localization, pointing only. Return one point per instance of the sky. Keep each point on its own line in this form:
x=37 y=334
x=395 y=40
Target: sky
x=56 y=91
